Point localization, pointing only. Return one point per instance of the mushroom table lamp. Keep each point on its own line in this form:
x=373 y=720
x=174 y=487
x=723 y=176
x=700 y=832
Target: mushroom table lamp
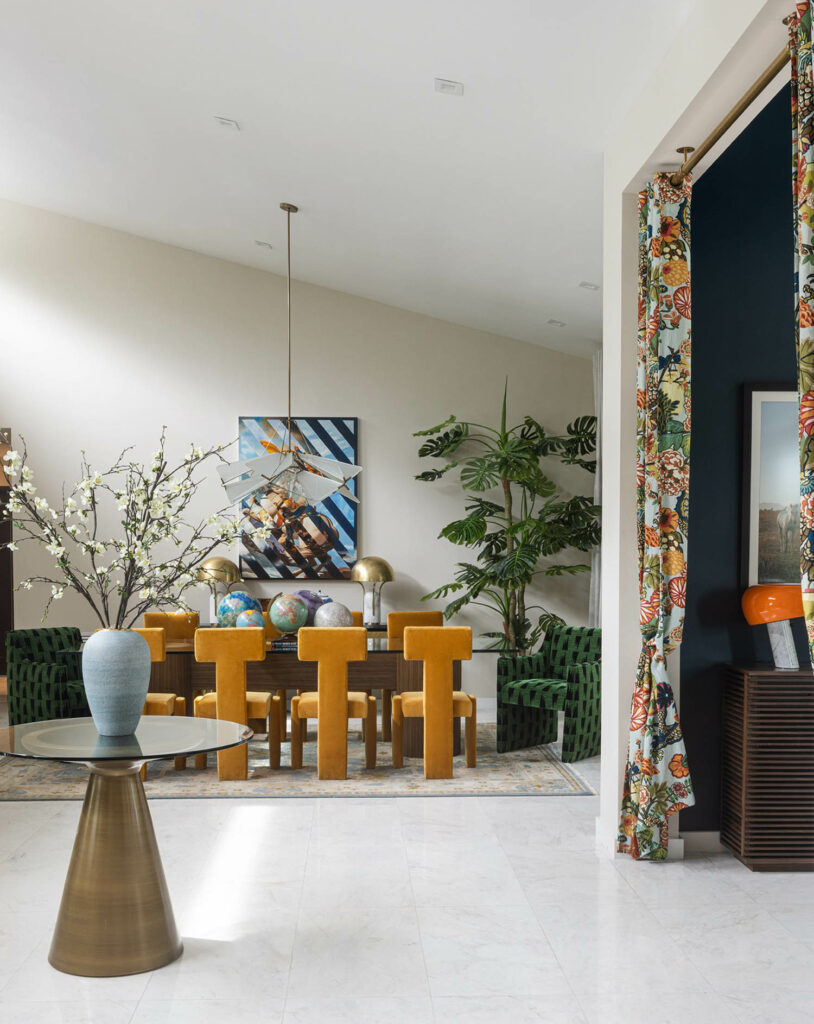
x=372 y=573
x=775 y=604
x=214 y=571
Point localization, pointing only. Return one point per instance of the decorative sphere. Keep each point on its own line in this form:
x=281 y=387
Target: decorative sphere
x=288 y=613
x=231 y=605
x=333 y=614
x=251 y=617
x=314 y=601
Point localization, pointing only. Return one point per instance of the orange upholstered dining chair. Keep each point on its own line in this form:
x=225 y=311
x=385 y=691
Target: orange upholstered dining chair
x=177 y=626
x=397 y=622
x=438 y=647
x=332 y=705
x=358 y=618
x=230 y=649
x=161 y=703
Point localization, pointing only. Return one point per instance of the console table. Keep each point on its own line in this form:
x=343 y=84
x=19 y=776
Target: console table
x=767 y=767
x=115 y=917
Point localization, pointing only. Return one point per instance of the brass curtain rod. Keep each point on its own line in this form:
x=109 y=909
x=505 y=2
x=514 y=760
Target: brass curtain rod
x=745 y=101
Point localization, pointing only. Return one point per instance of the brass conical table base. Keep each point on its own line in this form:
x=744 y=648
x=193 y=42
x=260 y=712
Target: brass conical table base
x=115 y=917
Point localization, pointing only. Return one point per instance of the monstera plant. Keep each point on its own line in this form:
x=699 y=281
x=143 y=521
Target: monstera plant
x=515 y=520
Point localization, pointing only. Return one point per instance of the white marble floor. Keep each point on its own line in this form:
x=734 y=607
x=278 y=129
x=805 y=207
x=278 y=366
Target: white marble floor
x=415 y=910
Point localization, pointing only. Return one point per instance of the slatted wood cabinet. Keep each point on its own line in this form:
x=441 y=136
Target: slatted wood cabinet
x=767 y=806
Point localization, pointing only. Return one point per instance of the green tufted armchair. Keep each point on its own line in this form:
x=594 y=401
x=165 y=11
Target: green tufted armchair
x=565 y=675
x=45 y=675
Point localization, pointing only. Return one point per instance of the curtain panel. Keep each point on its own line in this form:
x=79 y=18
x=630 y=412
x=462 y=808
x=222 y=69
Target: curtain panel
x=657 y=777
x=802 y=126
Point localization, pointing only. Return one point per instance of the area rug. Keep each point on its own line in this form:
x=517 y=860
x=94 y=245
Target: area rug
x=533 y=772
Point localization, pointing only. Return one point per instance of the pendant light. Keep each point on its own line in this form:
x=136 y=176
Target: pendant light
x=303 y=477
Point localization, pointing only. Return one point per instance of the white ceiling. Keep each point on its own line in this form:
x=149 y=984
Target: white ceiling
x=484 y=209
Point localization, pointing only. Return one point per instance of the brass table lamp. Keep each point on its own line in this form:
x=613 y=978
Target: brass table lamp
x=214 y=571
x=372 y=573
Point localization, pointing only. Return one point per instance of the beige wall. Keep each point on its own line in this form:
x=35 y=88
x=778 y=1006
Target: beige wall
x=106 y=336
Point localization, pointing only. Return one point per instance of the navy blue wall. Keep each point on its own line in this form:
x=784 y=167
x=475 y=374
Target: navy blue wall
x=742 y=332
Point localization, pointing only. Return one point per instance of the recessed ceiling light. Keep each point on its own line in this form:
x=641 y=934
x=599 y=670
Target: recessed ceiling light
x=589 y=286
x=265 y=245
x=449 y=87
x=228 y=122
x=557 y=323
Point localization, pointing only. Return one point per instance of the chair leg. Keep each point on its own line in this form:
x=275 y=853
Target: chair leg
x=387 y=714
x=200 y=762
x=370 y=733
x=364 y=721
x=472 y=736
x=296 y=733
x=283 y=695
x=180 y=710
x=274 y=733
x=398 y=733
x=143 y=772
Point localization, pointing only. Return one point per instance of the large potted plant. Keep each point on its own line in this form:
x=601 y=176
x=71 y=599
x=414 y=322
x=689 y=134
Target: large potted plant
x=515 y=520
x=149 y=563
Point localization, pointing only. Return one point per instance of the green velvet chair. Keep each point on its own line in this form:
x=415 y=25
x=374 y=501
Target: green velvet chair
x=565 y=675
x=45 y=675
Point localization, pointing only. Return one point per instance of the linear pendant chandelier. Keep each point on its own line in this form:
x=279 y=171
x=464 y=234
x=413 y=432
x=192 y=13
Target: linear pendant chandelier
x=306 y=479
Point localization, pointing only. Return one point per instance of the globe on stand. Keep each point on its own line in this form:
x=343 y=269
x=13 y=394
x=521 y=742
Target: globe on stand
x=334 y=615
x=314 y=601
x=251 y=618
x=233 y=604
x=288 y=613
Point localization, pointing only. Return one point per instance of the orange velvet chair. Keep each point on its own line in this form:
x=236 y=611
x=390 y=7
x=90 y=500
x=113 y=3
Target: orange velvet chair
x=332 y=705
x=161 y=703
x=397 y=622
x=358 y=620
x=177 y=626
x=230 y=649
x=438 y=647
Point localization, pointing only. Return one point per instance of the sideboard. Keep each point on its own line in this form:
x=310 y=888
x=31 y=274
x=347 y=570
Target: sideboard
x=767 y=767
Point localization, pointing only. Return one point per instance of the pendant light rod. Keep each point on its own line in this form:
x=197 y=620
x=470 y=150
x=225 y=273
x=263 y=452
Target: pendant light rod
x=289 y=209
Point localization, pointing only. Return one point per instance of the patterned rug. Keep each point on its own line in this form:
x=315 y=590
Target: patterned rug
x=533 y=772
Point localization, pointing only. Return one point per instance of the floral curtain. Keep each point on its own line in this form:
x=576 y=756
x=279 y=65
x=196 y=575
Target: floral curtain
x=657 y=777
x=802 y=126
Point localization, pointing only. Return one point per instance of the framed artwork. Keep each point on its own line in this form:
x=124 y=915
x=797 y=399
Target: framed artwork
x=307 y=542
x=771 y=493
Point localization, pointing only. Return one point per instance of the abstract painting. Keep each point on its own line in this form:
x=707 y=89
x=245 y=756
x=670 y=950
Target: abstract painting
x=307 y=542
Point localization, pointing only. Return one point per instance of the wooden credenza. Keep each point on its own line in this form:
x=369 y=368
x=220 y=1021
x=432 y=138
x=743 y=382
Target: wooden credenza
x=767 y=767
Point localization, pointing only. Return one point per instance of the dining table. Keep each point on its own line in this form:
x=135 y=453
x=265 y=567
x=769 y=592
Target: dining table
x=385 y=669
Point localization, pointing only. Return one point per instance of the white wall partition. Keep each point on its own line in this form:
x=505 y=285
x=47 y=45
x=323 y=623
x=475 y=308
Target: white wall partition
x=720 y=51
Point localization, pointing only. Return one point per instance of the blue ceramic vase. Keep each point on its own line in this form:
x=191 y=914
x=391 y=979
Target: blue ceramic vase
x=116 y=673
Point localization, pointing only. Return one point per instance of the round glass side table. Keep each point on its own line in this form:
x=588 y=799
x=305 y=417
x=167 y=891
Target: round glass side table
x=116 y=917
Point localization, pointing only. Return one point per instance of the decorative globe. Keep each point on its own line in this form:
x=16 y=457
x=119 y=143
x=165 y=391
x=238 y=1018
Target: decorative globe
x=314 y=601
x=251 y=617
x=288 y=613
x=233 y=604
x=333 y=614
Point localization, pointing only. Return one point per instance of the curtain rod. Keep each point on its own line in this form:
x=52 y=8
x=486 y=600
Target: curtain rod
x=745 y=101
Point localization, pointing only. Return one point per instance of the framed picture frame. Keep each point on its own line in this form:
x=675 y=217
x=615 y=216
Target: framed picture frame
x=770 y=527
x=307 y=542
